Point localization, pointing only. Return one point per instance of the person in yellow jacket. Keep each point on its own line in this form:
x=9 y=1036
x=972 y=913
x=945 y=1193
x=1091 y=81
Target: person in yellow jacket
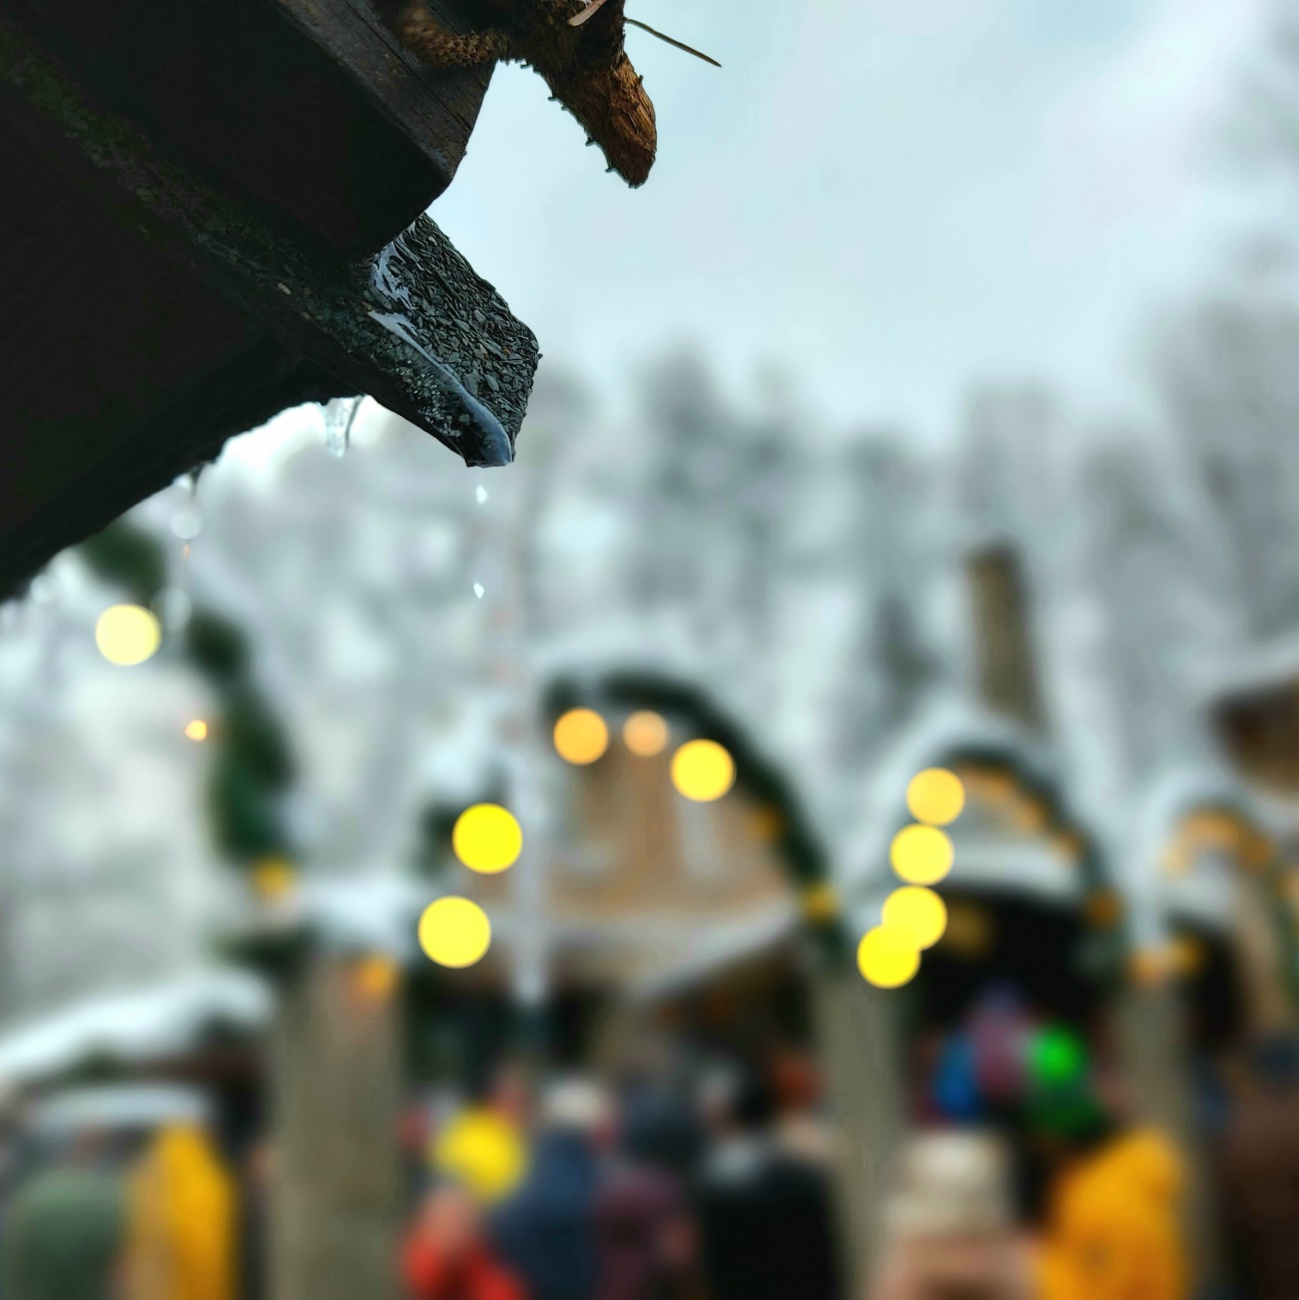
x=181 y=1220
x=1113 y=1229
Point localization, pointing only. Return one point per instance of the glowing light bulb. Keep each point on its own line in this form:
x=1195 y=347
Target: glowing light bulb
x=935 y=796
x=921 y=855
x=127 y=635
x=274 y=878
x=820 y=902
x=702 y=770
x=196 y=729
x=645 y=733
x=454 y=932
x=487 y=838
x=581 y=736
x=886 y=960
x=916 y=915
x=376 y=977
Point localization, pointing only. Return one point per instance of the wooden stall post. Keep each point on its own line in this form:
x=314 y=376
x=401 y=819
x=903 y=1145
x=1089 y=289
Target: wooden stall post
x=859 y=1044
x=337 y=1086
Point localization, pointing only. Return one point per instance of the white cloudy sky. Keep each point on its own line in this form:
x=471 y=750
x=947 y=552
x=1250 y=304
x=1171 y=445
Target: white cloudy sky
x=893 y=197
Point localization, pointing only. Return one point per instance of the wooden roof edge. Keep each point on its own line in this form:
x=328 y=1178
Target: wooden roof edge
x=414 y=326
x=435 y=109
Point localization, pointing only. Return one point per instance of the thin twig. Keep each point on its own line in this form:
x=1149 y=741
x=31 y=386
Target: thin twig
x=681 y=45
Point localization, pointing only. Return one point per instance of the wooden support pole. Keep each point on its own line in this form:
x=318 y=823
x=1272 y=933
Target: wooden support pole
x=860 y=1046
x=1157 y=1066
x=336 y=1192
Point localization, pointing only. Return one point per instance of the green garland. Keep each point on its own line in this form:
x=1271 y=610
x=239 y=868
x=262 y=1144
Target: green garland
x=797 y=846
x=252 y=768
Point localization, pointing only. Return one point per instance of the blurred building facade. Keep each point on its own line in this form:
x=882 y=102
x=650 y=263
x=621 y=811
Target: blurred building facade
x=1111 y=602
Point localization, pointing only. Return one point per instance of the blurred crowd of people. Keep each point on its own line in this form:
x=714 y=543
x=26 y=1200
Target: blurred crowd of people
x=1022 y=1177
x=654 y=1190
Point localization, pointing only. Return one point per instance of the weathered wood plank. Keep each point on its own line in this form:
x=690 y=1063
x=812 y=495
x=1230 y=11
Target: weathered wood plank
x=309 y=108
x=150 y=312
x=437 y=109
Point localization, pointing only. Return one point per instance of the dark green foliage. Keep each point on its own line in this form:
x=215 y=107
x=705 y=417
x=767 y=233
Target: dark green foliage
x=128 y=558
x=216 y=647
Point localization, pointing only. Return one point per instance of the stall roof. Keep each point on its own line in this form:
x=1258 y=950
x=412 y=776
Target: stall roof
x=134 y=1027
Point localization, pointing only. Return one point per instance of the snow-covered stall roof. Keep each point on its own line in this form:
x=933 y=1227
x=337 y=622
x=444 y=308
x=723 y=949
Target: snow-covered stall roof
x=134 y=1027
x=1199 y=888
x=950 y=729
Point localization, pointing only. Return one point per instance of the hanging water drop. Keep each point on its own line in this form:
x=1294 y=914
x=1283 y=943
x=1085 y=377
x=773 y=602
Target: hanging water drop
x=480 y=495
x=339 y=413
x=187 y=522
x=479 y=589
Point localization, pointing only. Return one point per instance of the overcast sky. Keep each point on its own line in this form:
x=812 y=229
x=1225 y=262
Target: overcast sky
x=893 y=197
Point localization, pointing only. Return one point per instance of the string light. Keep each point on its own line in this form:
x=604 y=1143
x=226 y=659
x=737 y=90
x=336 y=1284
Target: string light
x=885 y=959
x=127 y=635
x=921 y=855
x=702 y=770
x=935 y=796
x=820 y=902
x=376 y=977
x=916 y=915
x=645 y=733
x=454 y=932
x=274 y=878
x=487 y=838
x=581 y=736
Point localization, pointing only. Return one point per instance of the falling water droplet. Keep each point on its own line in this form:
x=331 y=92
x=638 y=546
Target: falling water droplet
x=172 y=607
x=480 y=495
x=187 y=522
x=339 y=413
x=478 y=590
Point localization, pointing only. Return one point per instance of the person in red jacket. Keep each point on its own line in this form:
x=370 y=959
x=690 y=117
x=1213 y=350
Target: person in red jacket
x=446 y=1257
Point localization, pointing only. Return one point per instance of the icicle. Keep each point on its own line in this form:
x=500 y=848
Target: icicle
x=339 y=413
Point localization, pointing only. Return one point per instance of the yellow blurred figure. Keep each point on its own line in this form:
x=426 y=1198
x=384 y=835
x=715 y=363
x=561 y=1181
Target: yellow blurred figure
x=484 y=1150
x=181 y=1220
x=1114 y=1225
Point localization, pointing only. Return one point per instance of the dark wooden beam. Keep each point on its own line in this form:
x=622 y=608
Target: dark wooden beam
x=170 y=278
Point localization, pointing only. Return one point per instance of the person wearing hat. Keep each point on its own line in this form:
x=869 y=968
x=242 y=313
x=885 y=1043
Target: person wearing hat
x=950 y=1225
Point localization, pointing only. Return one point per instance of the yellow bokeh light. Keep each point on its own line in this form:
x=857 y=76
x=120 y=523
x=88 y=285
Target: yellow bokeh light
x=274 y=878
x=454 y=932
x=127 y=635
x=935 y=796
x=916 y=915
x=581 y=736
x=376 y=977
x=196 y=729
x=645 y=734
x=885 y=959
x=820 y=902
x=702 y=770
x=921 y=855
x=484 y=1151
x=487 y=838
